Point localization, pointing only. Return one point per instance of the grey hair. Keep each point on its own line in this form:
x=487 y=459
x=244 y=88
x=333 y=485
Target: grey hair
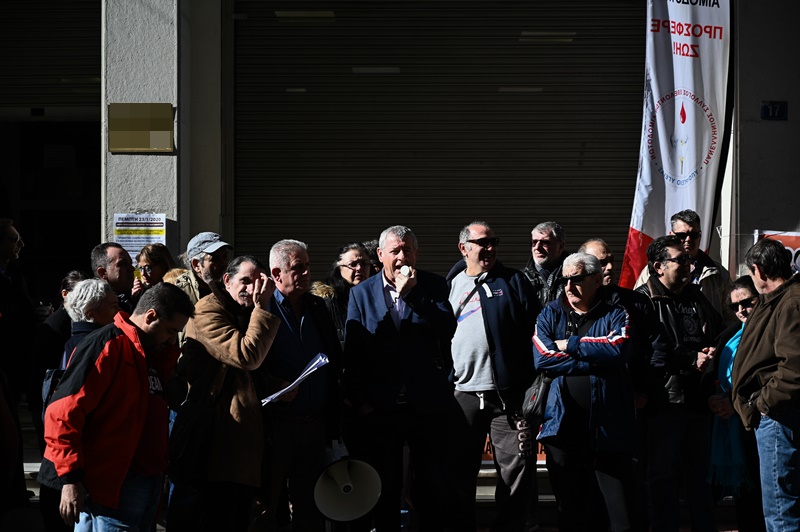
x=281 y=250
x=401 y=232
x=589 y=263
x=551 y=227
x=463 y=236
x=200 y=257
x=86 y=296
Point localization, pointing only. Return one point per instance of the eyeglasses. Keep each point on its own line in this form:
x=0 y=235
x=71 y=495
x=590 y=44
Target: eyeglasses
x=744 y=303
x=146 y=269
x=486 y=242
x=694 y=235
x=576 y=279
x=356 y=264
x=681 y=260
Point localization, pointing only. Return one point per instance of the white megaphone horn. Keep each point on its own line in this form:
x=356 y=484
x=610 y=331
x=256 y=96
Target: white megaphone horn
x=347 y=489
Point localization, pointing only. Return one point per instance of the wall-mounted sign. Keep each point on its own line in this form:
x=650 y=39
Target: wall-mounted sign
x=774 y=111
x=135 y=231
x=140 y=128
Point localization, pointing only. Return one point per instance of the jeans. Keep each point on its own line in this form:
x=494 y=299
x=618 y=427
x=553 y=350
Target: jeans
x=780 y=473
x=138 y=503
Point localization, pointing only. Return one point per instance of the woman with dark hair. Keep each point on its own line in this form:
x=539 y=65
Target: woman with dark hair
x=352 y=265
x=734 y=466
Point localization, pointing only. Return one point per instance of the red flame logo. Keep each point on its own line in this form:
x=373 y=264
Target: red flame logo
x=683 y=114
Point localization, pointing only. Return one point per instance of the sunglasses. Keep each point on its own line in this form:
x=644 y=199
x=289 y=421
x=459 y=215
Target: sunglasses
x=146 y=269
x=486 y=242
x=545 y=243
x=681 y=260
x=576 y=279
x=694 y=235
x=744 y=303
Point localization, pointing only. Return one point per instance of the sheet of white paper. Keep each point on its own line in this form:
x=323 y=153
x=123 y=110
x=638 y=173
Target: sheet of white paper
x=318 y=361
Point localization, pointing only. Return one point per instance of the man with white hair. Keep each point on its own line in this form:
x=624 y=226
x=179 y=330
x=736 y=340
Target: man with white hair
x=583 y=342
x=397 y=362
x=306 y=419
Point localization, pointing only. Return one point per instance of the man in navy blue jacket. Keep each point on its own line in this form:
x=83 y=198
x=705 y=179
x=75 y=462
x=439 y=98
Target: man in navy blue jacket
x=496 y=309
x=583 y=342
x=396 y=367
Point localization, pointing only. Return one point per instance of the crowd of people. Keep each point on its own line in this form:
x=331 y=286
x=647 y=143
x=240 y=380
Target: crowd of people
x=156 y=382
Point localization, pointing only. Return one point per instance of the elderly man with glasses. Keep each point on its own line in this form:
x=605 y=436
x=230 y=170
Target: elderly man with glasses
x=712 y=277
x=583 y=342
x=679 y=423
x=496 y=309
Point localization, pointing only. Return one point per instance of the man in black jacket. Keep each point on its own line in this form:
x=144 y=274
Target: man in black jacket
x=305 y=419
x=496 y=310
x=680 y=422
x=547 y=255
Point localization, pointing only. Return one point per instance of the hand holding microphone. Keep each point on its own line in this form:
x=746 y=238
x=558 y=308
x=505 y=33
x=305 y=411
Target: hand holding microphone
x=405 y=280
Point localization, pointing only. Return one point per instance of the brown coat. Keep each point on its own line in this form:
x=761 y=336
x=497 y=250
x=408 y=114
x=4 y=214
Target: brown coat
x=766 y=370
x=240 y=339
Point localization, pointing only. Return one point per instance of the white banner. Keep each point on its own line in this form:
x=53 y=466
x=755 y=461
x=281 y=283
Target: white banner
x=686 y=73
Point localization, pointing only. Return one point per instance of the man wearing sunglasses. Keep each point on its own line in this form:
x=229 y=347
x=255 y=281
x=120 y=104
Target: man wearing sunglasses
x=496 y=311
x=713 y=279
x=547 y=255
x=765 y=380
x=679 y=420
x=588 y=431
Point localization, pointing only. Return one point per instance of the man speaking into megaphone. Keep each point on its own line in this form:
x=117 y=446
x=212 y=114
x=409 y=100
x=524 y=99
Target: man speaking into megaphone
x=396 y=367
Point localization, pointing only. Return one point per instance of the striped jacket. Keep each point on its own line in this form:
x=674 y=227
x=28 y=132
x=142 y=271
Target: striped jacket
x=601 y=352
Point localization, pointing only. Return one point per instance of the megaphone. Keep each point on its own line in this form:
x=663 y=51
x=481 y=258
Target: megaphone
x=347 y=489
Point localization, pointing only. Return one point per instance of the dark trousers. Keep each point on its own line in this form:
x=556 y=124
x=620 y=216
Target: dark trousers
x=594 y=490
x=214 y=506
x=379 y=438
x=679 y=441
x=477 y=418
x=296 y=459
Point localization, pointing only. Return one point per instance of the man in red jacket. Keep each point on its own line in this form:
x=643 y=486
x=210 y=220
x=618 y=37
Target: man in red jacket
x=106 y=427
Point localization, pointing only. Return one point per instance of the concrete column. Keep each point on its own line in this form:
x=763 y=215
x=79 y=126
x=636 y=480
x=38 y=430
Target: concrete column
x=140 y=65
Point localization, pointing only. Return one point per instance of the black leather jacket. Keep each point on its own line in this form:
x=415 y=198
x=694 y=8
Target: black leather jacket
x=676 y=365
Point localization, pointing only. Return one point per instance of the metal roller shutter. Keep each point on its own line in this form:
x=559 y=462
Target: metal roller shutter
x=353 y=116
x=50 y=55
